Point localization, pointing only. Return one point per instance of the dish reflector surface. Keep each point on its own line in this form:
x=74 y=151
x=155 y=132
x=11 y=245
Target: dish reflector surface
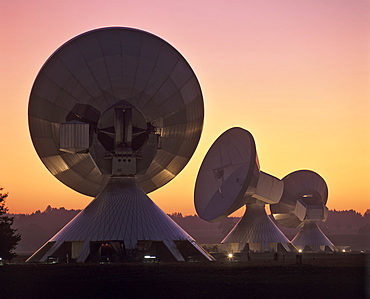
x=97 y=70
x=229 y=172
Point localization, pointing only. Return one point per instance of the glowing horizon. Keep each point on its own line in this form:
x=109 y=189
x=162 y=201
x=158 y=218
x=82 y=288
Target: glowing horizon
x=293 y=74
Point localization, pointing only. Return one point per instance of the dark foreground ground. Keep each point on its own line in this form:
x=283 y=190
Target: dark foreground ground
x=319 y=276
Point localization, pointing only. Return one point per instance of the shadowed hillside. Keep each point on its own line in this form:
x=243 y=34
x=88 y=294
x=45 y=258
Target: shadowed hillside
x=39 y=227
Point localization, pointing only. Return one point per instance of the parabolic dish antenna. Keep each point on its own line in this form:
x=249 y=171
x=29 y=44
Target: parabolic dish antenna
x=94 y=75
x=229 y=173
x=116 y=113
x=230 y=178
x=303 y=204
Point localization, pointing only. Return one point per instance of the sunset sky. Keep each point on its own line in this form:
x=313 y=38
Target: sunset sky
x=296 y=74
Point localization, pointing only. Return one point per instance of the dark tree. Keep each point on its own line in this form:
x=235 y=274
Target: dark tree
x=8 y=236
x=367 y=216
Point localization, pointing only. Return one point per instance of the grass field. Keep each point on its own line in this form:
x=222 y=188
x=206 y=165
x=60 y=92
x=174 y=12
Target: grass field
x=319 y=276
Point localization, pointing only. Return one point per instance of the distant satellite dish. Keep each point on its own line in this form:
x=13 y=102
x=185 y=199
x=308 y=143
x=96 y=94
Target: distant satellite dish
x=303 y=204
x=230 y=178
x=112 y=113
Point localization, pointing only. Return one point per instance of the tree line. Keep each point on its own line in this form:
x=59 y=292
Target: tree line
x=28 y=232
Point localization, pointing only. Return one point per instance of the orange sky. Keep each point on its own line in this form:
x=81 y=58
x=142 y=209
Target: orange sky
x=294 y=73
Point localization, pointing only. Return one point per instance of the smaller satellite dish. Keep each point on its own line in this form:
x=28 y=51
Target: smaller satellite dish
x=304 y=198
x=230 y=178
x=303 y=204
x=229 y=173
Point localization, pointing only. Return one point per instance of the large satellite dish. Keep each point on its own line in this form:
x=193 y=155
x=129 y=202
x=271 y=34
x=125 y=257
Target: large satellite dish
x=303 y=204
x=230 y=178
x=91 y=76
x=116 y=113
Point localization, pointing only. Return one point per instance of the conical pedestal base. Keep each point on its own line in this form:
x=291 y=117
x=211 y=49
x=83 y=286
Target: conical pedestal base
x=256 y=232
x=122 y=223
x=311 y=238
